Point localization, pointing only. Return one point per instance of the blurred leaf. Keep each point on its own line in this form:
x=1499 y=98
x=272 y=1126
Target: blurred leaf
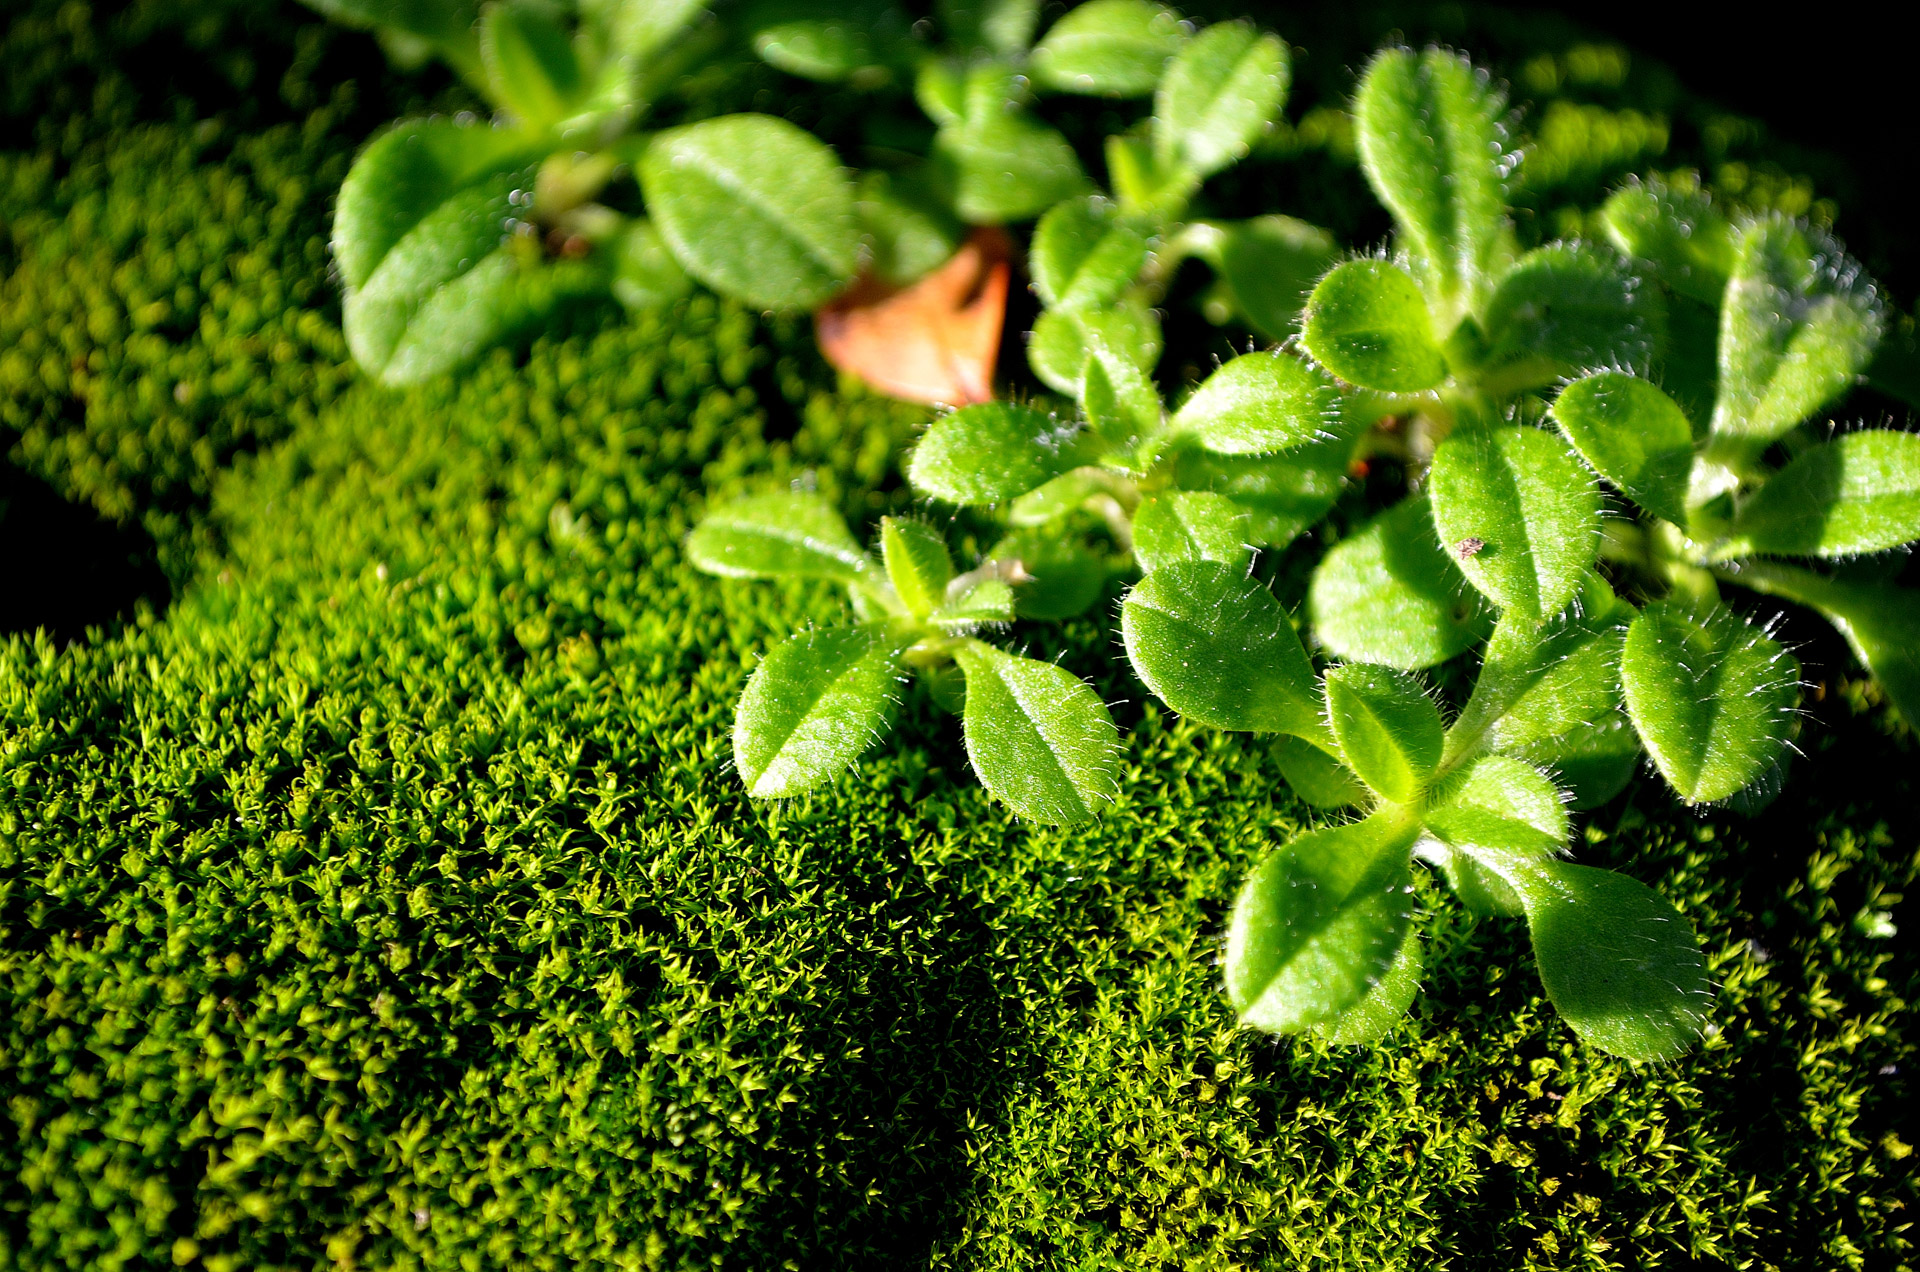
x=1000 y=163
x=1063 y=340
x=1065 y=578
x=811 y=708
x=1633 y=435
x=1038 y=737
x=1085 y=253
x=645 y=273
x=1221 y=94
x=988 y=601
x=829 y=40
x=917 y=563
x=530 y=64
x=1563 y=310
x=1316 y=776
x=1117 y=48
x=1268 y=267
x=1676 y=231
x=1388 y=594
x=1001 y=26
x=910 y=232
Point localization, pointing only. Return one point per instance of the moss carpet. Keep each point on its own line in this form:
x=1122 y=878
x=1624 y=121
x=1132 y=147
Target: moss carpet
x=386 y=901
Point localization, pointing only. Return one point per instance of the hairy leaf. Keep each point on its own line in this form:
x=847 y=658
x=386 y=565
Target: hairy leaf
x=1215 y=646
x=917 y=563
x=1038 y=737
x=1711 y=696
x=1858 y=493
x=1519 y=513
x=1221 y=93
x=1496 y=803
x=1678 y=232
x=1388 y=729
x=812 y=706
x=1268 y=267
x=1063 y=340
x=1563 y=309
x=1368 y=324
x=1085 y=253
x=1878 y=619
x=1120 y=401
x=1385 y=1005
x=1281 y=494
x=1633 y=435
x=755 y=208
x=993 y=451
x=1389 y=594
x=794 y=534
x=988 y=601
x=1259 y=403
x=1186 y=525
x=1113 y=47
x=1318 y=924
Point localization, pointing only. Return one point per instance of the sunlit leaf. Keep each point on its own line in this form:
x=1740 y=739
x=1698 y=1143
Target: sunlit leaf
x=1113 y=47
x=1221 y=93
x=1039 y=737
x=1085 y=253
x=1858 y=493
x=1389 y=594
x=1260 y=403
x=1063 y=340
x=1563 y=309
x=993 y=451
x=812 y=706
x=1268 y=267
x=1388 y=729
x=792 y=534
x=1633 y=435
x=1368 y=324
x=918 y=566
x=1678 y=232
x=1183 y=525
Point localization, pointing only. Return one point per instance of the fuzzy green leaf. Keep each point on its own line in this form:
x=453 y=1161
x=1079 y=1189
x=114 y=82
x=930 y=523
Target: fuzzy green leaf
x=1496 y=803
x=1388 y=594
x=1385 y=1005
x=1317 y=776
x=1085 y=253
x=755 y=208
x=1368 y=324
x=1318 y=924
x=1259 y=403
x=1878 y=619
x=1676 y=231
x=1564 y=309
x=1063 y=340
x=1038 y=737
x=1215 y=646
x=1633 y=435
x=1268 y=267
x=993 y=451
x=1120 y=401
x=1117 y=48
x=1185 y=525
x=530 y=63
x=811 y=708
x=988 y=601
x=1858 y=493
x=1520 y=514
x=1064 y=578
x=1799 y=323
x=1281 y=494
x=1711 y=696
x=645 y=274
x=1388 y=729
x=1221 y=94
x=788 y=535
x=917 y=563
x=1433 y=148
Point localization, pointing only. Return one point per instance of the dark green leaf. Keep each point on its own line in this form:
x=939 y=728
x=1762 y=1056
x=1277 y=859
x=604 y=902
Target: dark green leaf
x=1368 y=324
x=1318 y=924
x=1389 y=594
x=909 y=230
x=1221 y=94
x=917 y=564
x=1268 y=266
x=1215 y=646
x=1064 y=577
x=1317 y=776
x=812 y=706
x=1000 y=26
x=755 y=208
x=1281 y=494
x=1183 y=525
x=1260 y=403
x=1063 y=340
x=1565 y=309
x=1520 y=514
x=1385 y=1005
x=1432 y=145
x=645 y=274
x=1388 y=729
x=1496 y=804
x=774 y=536
x=1711 y=696
x=1113 y=47
x=993 y=451
x=1858 y=493
x=1000 y=163
x=1039 y=738
x=1878 y=619
x=530 y=63
x=828 y=39
x=1633 y=435
x=1678 y=232
x=1085 y=253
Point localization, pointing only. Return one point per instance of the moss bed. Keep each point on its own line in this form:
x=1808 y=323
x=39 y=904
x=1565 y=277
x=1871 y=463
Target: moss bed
x=379 y=895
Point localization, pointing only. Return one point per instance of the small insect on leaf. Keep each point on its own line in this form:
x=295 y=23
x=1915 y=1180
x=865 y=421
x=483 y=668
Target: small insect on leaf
x=1468 y=547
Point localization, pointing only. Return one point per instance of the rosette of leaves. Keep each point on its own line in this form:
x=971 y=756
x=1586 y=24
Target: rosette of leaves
x=456 y=235
x=1038 y=737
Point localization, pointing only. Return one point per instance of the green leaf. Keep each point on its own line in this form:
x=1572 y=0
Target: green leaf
x=1114 y=47
x=1221 y=94
x=1063 y=340
x=1000 y=163
x=910 y=231
x=1799 y=323
x=1145 y=186
x=755 y=208
x=1432 y=145
x=1858 y=493
x=445 y=26
x=1259 y=403
x=1038 y=737
x=1183 y=525
x=1619 y=963
x=1388 y=594
x=1215 y=646
x=1520 y=514
x=993 y=451
x=1895 y=369
x=1085 y=253
x=1120 y=401
x=530 y=64
x=1268 y=267
x=828 y=40
x=1678 y=232
x=1281 y=494
x=794 y=535
x=1318 y=923
x=1064 y=578
x=1633 y=435
x=810 y=709
x=1495 y=804
x=1385 y=1005
x=645 y=274
x=1878 y=619
x=1000 y=26
x=988 y=601
x=917 y=564
x=1316 y=776
x=1368 y=324
x=635 y=32
x=1388 y=729
x=1711 y=696
x=1564 y=309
